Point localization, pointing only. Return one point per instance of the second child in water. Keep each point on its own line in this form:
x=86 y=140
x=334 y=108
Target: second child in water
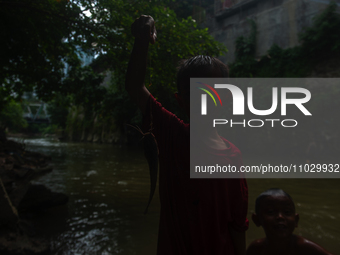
x=275 y=212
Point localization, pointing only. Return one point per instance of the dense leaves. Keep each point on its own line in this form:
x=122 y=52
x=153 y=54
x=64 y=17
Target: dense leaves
x=12 y=117
x=323 y=38
x=318 y=42
x=176 y=39
x=58 y=110
x=45 y=40
x=39 y=37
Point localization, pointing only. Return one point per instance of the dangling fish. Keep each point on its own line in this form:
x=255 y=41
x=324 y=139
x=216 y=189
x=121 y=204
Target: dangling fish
x=151 y=154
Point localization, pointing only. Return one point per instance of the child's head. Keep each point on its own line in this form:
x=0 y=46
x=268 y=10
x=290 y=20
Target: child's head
x=275 y=212
x=197 y=67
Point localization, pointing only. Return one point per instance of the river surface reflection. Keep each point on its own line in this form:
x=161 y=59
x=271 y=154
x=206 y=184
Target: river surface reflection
x=108 y=187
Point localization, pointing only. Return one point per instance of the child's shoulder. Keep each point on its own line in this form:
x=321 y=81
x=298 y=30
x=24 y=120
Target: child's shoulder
x=301 y=246
x=256 y=247
x=305 y=246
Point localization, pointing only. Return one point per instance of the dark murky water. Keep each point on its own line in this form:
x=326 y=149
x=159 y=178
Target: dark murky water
x=108 y=188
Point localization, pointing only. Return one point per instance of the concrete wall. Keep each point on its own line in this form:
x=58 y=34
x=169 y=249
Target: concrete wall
x=278 y=21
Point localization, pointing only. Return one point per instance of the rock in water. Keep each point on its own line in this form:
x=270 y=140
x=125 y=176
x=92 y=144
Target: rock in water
x=38 y=197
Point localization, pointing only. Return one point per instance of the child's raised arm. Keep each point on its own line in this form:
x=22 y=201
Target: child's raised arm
x=144 y=31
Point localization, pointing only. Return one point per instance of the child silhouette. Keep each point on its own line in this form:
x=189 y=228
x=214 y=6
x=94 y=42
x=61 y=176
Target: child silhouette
x=275 y=212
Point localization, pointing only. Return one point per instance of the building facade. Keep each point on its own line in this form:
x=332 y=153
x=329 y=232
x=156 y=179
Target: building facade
x=278 y=22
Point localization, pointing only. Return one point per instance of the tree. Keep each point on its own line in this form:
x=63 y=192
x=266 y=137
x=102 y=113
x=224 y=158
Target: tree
x=176 y=39
x=43 y=35
x=38 y=38
x=58 y=109
x=12 y=116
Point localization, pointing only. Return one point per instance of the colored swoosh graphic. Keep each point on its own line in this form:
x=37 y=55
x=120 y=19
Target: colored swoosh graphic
x=209 y=95
x=213 y=90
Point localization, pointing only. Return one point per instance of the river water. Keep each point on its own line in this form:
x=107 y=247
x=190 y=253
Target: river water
x=108 y=189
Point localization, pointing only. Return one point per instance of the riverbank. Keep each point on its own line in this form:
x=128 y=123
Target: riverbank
x=18 y=197
x=30 y=135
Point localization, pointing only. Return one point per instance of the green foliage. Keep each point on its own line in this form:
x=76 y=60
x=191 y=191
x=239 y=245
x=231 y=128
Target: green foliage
x=50 y=129
x=317 y=42
x=41 y=129
x=246 y=46
x=39 y=38
x=245 y=64
x=282 y=63
x=323 y=38
x=74 y=121
x=44 y=36
x=12 y=116
x=176 y=39
x=186 y=8
x=35 y=43
x=58 y=110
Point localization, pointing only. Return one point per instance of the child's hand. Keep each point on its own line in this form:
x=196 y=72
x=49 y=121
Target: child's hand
x=144 y=28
